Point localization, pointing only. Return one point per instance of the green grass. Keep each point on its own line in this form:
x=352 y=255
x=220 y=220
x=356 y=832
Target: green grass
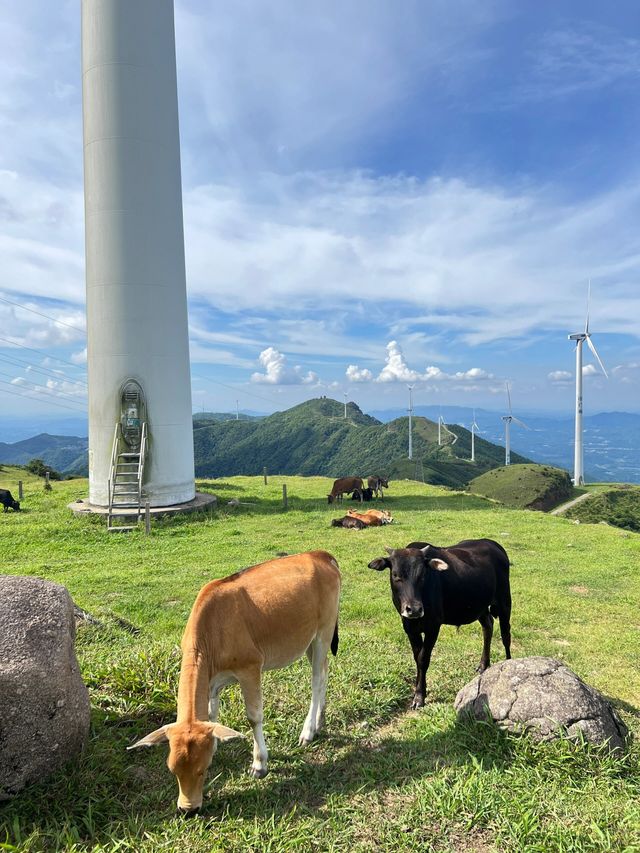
x=380 y=777
x=528 y=486
x=618 y=506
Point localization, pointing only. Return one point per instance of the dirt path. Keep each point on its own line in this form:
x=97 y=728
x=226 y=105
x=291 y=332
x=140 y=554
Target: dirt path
x=559 y=510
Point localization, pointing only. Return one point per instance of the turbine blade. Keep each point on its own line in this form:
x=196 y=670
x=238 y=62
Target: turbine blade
x=522 y=423
x=595 y=352
x=586 y=325
x=509 y=396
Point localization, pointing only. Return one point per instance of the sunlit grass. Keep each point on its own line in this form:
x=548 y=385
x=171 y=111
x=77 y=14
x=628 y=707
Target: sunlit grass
x=381 y=777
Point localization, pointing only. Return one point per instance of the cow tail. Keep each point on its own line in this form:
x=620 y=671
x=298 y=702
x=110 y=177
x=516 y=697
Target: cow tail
x=334 y=641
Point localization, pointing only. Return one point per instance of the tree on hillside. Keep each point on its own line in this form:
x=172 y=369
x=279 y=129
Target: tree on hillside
x=37 y=467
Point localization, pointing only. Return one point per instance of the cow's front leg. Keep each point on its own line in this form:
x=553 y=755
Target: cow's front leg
x=250 y=684
x=422 y=655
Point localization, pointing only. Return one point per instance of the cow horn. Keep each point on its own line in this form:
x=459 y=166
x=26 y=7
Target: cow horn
x=390 y=551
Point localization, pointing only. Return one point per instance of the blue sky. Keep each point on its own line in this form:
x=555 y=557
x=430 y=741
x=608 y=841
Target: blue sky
x=374 y=193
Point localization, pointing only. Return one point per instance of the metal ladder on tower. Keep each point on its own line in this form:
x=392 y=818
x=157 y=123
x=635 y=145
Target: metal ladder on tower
x=125 y=482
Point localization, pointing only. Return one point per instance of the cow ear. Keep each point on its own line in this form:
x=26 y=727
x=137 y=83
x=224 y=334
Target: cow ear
x=223 y=732
x=159 y=736
x=438 y=565
x=380 y=564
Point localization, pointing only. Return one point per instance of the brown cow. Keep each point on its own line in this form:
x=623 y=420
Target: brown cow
x=344 y=486
x=372 y=517
x=264 y=617
x=377 y=484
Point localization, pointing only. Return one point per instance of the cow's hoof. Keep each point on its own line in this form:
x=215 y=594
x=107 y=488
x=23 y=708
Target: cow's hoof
x=258 y=772
x=304 y=740
x=481 y=668
x=418 y=702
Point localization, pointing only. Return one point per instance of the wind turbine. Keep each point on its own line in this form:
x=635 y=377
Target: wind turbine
x=410 y=387
x=474 y=428
x=580 y=338
x=507 y=428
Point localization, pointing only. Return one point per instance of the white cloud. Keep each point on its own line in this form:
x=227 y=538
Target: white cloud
x=591 y=370
x=560 y=377
x=79 y=357
x=277 y=372
x=395 y=369
x=355 y=374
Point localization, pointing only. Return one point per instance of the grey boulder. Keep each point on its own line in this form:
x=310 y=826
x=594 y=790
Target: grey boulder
x=44 y=704
x=544 y=697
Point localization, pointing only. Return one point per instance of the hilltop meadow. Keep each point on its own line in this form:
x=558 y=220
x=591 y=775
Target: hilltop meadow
x=380 y=777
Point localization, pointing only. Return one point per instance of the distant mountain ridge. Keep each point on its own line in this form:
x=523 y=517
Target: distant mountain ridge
x=63 y=452
x=314 y=438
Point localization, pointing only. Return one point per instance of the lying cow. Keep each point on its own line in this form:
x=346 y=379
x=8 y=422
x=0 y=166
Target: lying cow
x=7 y=501
x=433 y=586
x=364 y=495
x=375 y=517
x=377 y=484
x=264 y=617
x=344 y=486
x=349 y=522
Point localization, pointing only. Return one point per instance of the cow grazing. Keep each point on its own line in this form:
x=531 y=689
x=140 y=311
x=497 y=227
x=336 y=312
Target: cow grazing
x=264 y=617
x=344 y=486
x=433 y=586
x=7 y=501
x=364 y=495
x=377 y=484
x=349 y=522
x=374 y=517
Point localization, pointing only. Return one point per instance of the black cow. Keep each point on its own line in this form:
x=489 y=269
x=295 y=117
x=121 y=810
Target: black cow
x=362 y=495
x=433 y=586
x=348 y=521
x=7 y=501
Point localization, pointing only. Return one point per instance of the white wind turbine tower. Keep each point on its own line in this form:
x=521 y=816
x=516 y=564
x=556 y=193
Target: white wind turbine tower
x=580 y=338
x=474 y=429
x=410 y=387
x=507 y=428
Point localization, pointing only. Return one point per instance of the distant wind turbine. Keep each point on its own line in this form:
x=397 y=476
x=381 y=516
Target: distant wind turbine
x=410 y=387
x=474 y=429
x=580 y=338
x=507 y=428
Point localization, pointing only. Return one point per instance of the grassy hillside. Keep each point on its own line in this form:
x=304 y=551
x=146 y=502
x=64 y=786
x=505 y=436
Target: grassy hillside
x=525 y=486
x=315 y=438
x=620 y=507
x=381 y=777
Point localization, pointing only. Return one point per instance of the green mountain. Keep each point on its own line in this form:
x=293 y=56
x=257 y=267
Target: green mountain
x=315 y=438
x=63 y=452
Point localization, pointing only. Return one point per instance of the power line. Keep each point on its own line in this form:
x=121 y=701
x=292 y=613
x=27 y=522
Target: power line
x=36 y=399
x=232 y=388
x=42 y=389
x=46 y=316
x=42 y=352
x=57 y=374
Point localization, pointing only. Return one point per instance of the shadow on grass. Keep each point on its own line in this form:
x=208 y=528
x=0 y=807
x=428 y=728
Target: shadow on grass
x=114 y=794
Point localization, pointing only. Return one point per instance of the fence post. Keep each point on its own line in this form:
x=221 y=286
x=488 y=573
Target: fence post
x=46 y=477
x=284 y=495
x=20 y=494
x=147 y=518
x=264 y=474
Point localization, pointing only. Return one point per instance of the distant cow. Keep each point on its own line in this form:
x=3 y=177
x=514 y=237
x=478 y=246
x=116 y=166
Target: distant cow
x=344 y=486
x=350 y=522
x=7 y=501
x=261 y=618
x=377 y=484
x=364 y=495
x=433 y=586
